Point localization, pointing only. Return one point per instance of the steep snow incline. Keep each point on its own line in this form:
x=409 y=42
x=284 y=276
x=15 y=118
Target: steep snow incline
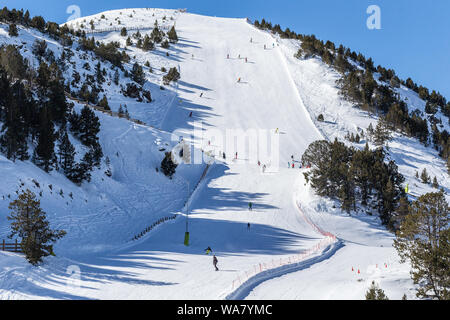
x=160 y=266
x=266 y=97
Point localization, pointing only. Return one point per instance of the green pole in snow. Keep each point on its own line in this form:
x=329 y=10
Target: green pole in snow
x=186 y=234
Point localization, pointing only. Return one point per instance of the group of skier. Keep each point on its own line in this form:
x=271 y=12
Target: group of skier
x=208 y=250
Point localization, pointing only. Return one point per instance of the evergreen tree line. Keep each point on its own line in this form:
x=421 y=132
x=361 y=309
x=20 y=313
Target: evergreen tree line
x=423 y=239
x=329 y=52
x=107 y=52
x=32 y=106
x=360 y=87
x=147 y=42
x=19 y=17
x=355 y=177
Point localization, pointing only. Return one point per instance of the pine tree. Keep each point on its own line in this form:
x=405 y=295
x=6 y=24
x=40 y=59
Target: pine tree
x=168 y=167
x=156 y=35
x=370 y=132
x=82 y=170
x=172 y=75
x=389 y=203
x=147 y=44
x=139 y=43
x=424 y=240
x=55 y=98
x=108 y=171
x=172 y=34
x=99 y=73
x=123 y=32
x=89 y=127
x=104 y=103
x=120 y=111
x=13 y=62
x=13 y=30
x=29 y=222
x=44 y=155
x=97 y=154
x=381 y=134
x=400 y=213
x=165 y=44
x=375 y=293
x=13 y=140
x=66 y=154
x=129 y=42
x=116 y=77
x=424 y=176
x=435 y=183
x=137 y=74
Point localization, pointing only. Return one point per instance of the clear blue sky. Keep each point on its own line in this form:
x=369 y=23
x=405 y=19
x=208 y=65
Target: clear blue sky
x=414 y=39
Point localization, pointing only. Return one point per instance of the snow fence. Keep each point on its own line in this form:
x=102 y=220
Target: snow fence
x=246 y=282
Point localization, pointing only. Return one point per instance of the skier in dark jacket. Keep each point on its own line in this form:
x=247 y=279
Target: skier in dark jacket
x=215 y=262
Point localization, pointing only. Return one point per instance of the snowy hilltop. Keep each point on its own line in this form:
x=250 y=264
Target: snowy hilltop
x=176 y=100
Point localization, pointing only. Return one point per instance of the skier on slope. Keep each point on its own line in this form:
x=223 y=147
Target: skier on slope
x=190 y=115
x=208 y=250
x=264 y=168
x=228 y=56
x=245 y=59
x=215 y=261
x=236 y=155
x=250 y=206
x=224 y=156
x=239 y=80
x=201 y=94
x=248 y=226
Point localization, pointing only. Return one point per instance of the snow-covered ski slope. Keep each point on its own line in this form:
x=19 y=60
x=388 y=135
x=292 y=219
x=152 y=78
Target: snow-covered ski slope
x=270 y=95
